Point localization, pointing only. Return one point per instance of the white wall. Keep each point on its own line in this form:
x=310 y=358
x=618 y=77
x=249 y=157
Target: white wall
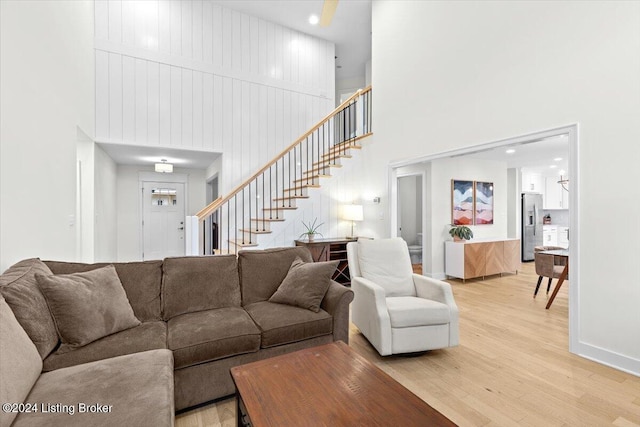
x=47 y=87
x=128 y=203
x=191 y=74
x=105 y=217
x=449 y=75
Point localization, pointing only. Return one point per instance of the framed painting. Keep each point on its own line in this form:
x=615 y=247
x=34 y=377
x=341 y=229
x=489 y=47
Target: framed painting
x=461 y=202
x=483 y=203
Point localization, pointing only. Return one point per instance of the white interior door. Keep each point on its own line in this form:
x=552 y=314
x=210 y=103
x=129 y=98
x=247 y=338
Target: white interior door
x=163 y=216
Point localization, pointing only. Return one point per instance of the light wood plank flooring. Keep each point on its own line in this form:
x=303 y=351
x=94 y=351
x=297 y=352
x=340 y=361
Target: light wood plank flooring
x=512 y=367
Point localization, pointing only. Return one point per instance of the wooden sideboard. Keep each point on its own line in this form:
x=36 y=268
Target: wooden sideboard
x=331 y=250
x=479 y=258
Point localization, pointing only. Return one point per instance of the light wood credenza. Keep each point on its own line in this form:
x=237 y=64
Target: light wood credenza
x=482 y=257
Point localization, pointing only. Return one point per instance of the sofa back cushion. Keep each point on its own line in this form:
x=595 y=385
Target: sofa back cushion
x=191 y=284
x=261 y=272
x=141 y=282
x=19 y=288
x=20 y=362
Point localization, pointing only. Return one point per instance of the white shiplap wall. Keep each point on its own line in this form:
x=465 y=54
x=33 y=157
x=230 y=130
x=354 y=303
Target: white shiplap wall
x=193 y=75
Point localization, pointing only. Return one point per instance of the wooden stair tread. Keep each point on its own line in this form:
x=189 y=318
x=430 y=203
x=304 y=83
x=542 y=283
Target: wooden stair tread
x=280 y=208
x=242 y=245
x=293 y=197
x=300 y=187
x=331 y=156
x=267 y=219
x=244 y=230
x=311 y=178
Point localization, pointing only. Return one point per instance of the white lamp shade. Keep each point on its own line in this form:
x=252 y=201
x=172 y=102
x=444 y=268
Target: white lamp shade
x=353 y=212
x=164 y=167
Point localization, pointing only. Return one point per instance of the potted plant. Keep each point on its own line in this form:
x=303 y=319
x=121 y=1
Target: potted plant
x=460 y=233
x=311 y=230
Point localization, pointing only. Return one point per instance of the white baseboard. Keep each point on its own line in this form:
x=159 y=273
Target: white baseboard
x=609 y=358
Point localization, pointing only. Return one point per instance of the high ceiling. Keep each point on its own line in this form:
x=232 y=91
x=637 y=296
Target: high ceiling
x=350 y=28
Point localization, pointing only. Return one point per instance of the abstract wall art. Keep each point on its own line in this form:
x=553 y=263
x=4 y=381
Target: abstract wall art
x=461 y=202
x=483 y=203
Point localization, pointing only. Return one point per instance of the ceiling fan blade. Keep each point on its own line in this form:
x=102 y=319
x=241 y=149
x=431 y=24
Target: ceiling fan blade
x=328 y=9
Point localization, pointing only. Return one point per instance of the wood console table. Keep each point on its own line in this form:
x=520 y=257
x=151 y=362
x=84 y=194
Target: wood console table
x=482 y=257
x=331 y=250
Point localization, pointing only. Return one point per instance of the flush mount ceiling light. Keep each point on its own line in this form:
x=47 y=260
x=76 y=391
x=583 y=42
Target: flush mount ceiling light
x=557 y=159
x=164 y=167
x=313 y=19
x=553 y=166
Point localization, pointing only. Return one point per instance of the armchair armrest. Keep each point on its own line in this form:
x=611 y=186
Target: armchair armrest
x=434 y=289
x=336 y=302
x=369 y=313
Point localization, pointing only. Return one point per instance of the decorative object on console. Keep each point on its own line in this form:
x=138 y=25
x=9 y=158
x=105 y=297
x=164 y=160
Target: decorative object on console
x=483 y=203
x=461 y=202
x=352 y=213
x=312 y=230
x=461 y=232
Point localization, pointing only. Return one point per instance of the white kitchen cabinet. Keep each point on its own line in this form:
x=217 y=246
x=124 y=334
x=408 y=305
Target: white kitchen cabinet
x=532 y=182
x=563 y=237
x=549 y=235
x=555 y=197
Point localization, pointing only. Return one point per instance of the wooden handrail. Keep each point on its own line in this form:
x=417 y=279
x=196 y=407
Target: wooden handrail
x=213 y=206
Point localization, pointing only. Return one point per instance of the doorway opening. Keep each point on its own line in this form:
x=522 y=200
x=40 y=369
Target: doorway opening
x=410 y=216
x=439 y=210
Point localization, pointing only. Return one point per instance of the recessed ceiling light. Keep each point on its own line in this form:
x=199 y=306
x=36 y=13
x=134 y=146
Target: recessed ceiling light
x=561 y=172
x=510 y=151
x=313 y=20
x=553 y=166
x=557 y=159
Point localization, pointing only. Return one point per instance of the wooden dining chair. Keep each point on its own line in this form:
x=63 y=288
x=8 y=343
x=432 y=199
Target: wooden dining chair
x=546 y=267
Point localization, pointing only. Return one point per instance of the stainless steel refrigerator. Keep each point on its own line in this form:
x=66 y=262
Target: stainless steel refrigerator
x=531 y=224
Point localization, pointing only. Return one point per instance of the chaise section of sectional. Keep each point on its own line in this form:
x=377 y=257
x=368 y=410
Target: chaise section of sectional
x=135 y=390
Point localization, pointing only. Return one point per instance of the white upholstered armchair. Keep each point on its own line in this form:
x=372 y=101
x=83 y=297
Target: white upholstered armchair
x=399 y=311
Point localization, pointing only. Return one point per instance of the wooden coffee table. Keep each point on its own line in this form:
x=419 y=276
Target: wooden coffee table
x=329 y=385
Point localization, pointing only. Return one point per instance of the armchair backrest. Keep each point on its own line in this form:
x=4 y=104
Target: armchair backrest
x=385 y=262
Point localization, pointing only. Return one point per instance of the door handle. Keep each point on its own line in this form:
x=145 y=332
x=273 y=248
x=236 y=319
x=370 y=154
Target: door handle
x=180 y=228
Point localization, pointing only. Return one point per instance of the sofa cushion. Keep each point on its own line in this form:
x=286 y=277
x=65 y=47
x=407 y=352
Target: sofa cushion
x=147 y=336
x=212 y=334
x=140 y=280
x=133 y=390
x=261 y=272
x=87 y=306
x=20 y=289
x=191 y=284
x=20 y=362
x=386 y=262
x=283 y=324
x=306 y=284
x=411 y=311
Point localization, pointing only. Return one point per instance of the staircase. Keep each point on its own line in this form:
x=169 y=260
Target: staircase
x=235 y=221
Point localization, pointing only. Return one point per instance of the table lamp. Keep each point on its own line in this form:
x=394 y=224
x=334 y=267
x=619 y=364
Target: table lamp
x=352 y=213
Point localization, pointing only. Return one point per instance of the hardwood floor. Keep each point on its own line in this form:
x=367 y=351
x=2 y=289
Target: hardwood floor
x=512 y=366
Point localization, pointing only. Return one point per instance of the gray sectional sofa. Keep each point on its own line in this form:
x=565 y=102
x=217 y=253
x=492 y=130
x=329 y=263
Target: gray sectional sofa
x=195 y=318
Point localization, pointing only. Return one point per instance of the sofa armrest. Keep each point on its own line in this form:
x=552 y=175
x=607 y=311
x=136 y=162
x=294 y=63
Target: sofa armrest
x=336 y=302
